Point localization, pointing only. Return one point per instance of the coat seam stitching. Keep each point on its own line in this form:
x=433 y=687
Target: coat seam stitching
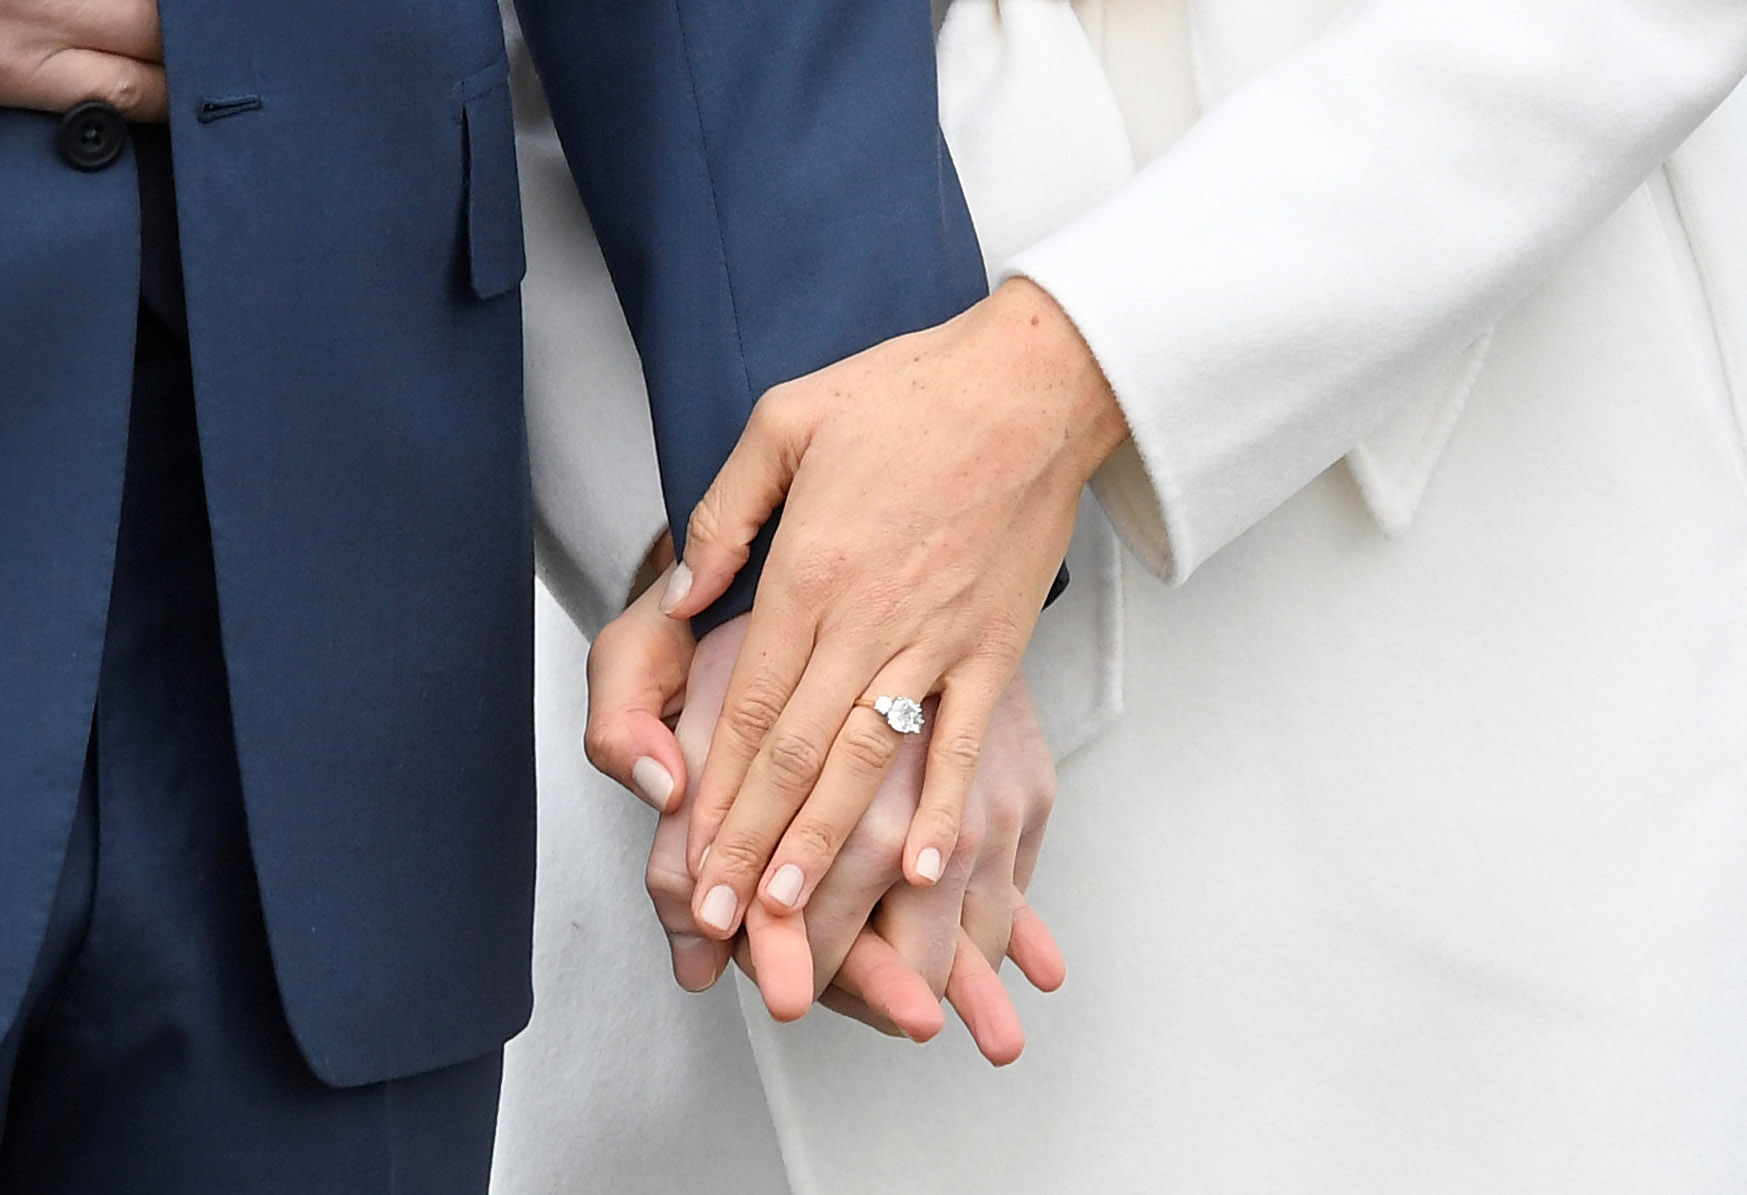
x=1712 y=331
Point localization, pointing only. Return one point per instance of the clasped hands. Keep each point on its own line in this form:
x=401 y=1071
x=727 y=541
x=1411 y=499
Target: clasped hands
x=930 y=485
x=869 y=944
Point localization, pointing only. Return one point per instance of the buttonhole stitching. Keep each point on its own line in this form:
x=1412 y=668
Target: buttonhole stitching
x=218 y=107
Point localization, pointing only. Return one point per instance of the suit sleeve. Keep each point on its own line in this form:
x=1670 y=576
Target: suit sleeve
x=771 y=193
x=1260 y=294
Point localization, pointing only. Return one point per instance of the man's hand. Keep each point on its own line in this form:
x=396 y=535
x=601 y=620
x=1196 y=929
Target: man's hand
x=956 y=932
x=55 y=54
x=930 y=486
x=637 y=672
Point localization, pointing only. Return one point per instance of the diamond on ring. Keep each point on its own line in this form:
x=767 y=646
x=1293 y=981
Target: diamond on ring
x=902 y=714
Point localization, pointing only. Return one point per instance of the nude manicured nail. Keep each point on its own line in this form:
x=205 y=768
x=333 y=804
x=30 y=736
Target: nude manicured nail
x=652 y=782
x=719 y=906
x=678 y=585
x=785 y=885
x=929 y=864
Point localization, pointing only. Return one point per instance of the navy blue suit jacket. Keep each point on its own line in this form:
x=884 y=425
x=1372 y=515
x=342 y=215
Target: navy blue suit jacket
x=769 y=185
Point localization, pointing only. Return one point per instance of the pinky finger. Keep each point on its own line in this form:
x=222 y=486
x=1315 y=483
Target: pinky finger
x=982 y=1003
x=1033 y=948
x=876 y=975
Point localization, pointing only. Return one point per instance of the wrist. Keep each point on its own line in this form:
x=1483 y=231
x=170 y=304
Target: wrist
x=1051 y=351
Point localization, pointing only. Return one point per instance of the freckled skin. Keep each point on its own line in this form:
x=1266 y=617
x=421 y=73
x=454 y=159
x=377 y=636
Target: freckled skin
x=930 y=486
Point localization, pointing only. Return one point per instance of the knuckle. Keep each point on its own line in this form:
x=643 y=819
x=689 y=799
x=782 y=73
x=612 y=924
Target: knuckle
x=740 y=854
x=597 y=744
x=1005 y=815
x=605 y=642
x=768 y=415
x=958 y=751
x=818 y=573
x=968 y=845
x=1043 y=799
x=125 y=91
x=753 y=714
x=867 y=747
x=777 y=413
x=661 y=882
x=943 y=824
x=814 y=839
x=794 y=760
x=704 y=527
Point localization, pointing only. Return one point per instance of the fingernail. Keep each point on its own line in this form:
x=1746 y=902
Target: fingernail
x=652 y=782
x=929 y=865
x=678 y=585
x=785 y=885
x=694 y=962
x=719 y=906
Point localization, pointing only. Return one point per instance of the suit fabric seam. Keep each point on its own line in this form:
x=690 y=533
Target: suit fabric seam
x=715 y=197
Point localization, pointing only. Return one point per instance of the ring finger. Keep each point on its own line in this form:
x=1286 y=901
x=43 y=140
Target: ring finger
x=778 y=784
x=867 y=743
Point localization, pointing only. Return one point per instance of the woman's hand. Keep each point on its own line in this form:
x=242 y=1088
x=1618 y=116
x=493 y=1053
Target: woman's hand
x=55 y=54
x=930 y=486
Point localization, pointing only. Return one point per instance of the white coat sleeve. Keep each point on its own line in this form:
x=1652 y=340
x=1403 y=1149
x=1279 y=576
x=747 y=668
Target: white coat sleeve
x=1261 y=295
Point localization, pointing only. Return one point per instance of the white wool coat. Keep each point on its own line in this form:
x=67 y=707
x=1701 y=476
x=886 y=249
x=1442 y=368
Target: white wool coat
x=1402 y=839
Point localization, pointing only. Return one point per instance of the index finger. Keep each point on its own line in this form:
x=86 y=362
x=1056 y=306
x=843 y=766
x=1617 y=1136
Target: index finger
x=782 y=961
x=773 y=656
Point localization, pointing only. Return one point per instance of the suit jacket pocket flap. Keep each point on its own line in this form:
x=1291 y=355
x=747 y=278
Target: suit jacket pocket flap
x=495 y=257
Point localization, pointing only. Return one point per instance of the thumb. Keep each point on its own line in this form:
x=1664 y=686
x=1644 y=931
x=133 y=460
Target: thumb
x=637 y=669
x=749 y=488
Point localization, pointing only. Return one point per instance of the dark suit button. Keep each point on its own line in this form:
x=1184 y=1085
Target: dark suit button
x=92 y=135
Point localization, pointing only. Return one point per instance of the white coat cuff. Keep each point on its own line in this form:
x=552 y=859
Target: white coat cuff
x=1137 y=486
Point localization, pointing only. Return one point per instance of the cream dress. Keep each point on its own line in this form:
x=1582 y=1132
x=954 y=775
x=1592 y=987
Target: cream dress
x=1402 y=838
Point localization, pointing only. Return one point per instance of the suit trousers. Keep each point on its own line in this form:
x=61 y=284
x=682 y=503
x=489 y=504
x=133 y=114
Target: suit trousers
x=152 y=1054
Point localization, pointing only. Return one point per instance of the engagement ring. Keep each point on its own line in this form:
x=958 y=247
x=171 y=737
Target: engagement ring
x=902 y=714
